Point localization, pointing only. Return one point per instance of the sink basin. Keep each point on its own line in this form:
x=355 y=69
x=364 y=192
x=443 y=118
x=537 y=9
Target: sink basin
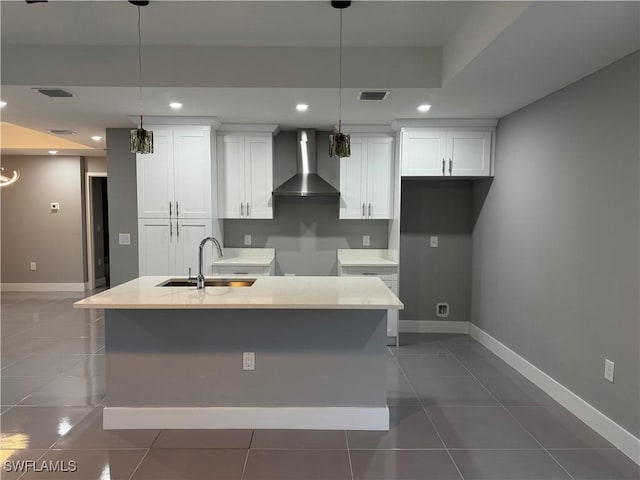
x=210 y=282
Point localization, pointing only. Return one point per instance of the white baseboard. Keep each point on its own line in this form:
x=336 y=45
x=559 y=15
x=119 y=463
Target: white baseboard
x=433 y=326
x=610 y=430
x=312 y=418
x=43 y=287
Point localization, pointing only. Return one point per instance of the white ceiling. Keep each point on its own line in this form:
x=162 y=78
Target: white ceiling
x=499 y=66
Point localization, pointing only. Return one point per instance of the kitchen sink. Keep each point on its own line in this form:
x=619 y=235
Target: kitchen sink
x=210 y=282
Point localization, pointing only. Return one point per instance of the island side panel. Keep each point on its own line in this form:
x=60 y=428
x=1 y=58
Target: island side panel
x=193 y=358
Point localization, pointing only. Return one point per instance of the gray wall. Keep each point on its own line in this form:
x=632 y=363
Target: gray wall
x=556 y=243
x=31 y=232
x=306 y=232
x=443 y=274
x=123 y=211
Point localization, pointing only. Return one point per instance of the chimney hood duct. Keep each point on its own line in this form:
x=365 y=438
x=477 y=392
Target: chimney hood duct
x=307 y=182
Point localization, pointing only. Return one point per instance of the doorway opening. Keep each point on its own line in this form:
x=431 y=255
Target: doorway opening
x=98 y=272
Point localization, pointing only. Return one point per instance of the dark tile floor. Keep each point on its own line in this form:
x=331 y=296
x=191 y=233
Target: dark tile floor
x=457 y=411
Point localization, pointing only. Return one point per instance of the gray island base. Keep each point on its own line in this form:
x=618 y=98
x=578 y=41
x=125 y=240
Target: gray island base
x=183 y=369
x=175 y=354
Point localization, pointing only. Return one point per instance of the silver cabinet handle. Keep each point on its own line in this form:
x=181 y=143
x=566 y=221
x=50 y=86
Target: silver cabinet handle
x=242 y=209
x=241 y=273
x=450 y=167
x=363 y=211
x=170 y=230
x=248 y=214
x=177 y=229
x=170 y=210
x=177 y=209
x=443 y=163
x=369 y=210
x=369 y=273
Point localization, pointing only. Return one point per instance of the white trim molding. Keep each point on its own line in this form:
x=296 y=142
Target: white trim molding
x=433 y=326
x=42 y=287
x=313 y=418
x=610 y=430
x=160 y=120
x=400 y=123
x=229 y=128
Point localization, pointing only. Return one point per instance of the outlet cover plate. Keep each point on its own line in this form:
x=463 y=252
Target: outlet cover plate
x=249 y=360
x=366 y=240
x=609 y=368
x=247 y=239
x=433 y=241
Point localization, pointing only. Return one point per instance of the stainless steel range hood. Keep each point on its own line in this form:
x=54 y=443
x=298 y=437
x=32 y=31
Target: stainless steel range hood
x=307 y=182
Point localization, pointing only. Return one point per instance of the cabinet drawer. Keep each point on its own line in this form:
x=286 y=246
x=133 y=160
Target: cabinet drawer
x=239 y=271
x=385 y=273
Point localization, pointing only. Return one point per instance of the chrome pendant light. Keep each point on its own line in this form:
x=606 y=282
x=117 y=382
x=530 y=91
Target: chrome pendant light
x=6 y=180
x=339 y=143
x=141 y=139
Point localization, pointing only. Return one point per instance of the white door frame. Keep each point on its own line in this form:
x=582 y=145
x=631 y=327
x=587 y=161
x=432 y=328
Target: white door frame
x=91 y=281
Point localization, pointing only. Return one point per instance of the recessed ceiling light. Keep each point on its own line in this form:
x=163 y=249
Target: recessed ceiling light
x=3 y=104
x=425 y=107
x=96 y=138
x=175 y=105
x=302 y=107
x=53 y=152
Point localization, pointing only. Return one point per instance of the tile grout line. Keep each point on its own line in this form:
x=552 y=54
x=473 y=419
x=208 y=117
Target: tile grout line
x=346 y=439
x=246 y=457
x=428 y=417
x=514 y=418
x=141 y=460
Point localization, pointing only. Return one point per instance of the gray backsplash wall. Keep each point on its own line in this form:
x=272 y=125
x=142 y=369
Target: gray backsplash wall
x=556 y=243
x=123 y=210
x=306 y=232
x=443 y=274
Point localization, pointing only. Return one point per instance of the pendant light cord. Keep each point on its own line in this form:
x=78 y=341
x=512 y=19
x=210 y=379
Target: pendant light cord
x=340 y=80
x=140 y=62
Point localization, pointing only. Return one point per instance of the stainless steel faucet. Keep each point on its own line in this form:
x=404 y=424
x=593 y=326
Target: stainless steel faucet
x=200 y=279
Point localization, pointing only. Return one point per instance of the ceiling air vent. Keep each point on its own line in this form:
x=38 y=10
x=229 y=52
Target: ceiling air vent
x=55 y=92
x=61 y=132
x=376 y=95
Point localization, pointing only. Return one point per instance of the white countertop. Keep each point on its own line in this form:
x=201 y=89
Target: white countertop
x=247 y=257
x=365 y=257
x=358 y=293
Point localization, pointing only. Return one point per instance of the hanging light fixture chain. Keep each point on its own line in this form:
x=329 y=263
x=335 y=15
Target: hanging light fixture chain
x=140 y=62
x=340 y=79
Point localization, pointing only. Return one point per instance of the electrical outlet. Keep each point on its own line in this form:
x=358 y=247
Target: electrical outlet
x=366 y=240
x=249 y=361
x=247 y=239
x=33 y=266
x=442 y=309
x=609 y=367
x=433 y=241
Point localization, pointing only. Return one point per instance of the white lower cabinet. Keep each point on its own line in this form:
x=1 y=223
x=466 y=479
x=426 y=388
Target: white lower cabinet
x=389 y=275
x=170 y=247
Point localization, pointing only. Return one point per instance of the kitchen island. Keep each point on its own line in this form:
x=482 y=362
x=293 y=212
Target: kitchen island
x=177 y=356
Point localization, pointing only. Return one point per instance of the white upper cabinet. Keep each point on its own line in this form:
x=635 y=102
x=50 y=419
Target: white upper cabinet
x=366 y=179
x=245 y=180
x=448 y=153
x=175 y=180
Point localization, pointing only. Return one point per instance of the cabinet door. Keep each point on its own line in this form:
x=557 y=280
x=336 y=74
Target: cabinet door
x=380 y=177
x=353 y=181
x=231 y=176
x=156 y=249
x=469 y=153
x=189 y=234
x=423 y=153
x=192 y=170
x=155 y=177
x=258 y=177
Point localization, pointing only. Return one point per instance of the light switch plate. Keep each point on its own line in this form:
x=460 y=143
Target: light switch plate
x=433 y=241
x=247 y=239
x=124 y=239
x=366 y=240
x=33 y=266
